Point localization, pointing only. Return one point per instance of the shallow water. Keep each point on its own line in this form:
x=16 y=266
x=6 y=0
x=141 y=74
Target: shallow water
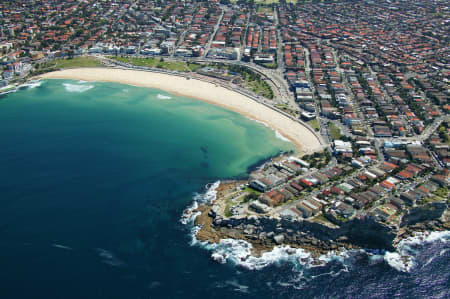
x=94 y=180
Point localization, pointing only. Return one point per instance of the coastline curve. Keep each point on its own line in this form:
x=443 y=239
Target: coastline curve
x=204 y=91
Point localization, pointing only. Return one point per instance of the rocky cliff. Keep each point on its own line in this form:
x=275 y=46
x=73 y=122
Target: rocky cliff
x=423 y=213
x=358 y=232
x=266 y=232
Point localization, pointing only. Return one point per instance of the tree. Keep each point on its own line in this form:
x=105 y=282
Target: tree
x=251 y=196
x=70 y=53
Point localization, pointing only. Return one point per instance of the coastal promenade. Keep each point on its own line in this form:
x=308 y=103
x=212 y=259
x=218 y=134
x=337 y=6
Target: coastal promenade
x=276 y=81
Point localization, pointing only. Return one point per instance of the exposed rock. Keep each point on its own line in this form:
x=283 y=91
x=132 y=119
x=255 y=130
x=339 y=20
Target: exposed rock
x=423 y=213
x=265 y=232
x=218 y=220
x=278 y=239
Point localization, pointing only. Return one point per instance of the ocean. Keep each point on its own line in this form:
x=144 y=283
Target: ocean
x=96 y=176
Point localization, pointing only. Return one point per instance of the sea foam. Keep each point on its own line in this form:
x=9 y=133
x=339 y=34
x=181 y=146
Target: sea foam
x=259 y=122
x=163 y=97
x=239 y=252
x=403 y=259
x=209 y=196
x=32 y=84
x=277 y=134
x=280 y=136
x=77 y=87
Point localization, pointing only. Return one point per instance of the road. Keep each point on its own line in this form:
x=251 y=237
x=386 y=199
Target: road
x=227 y=85
x=353 y=101
x=279 y=84
x=208 y=45
x=243 y=43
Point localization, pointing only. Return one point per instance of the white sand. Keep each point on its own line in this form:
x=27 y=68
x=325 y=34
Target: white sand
x=204 y=91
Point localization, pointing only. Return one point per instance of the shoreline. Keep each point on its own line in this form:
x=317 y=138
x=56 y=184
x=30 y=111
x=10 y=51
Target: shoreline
x=203 y=91
x=230 y=241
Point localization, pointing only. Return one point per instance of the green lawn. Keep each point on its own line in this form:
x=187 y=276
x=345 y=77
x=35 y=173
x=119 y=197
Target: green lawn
x=227 y=210
x=194 y=66
x=155 y=62
x=173 y=66
x=71 y=63
x=265 y=9
x=321 y=219
x=251 y=190
x=270 y=65
x=267 y=2
x=252 y=81
x=335 y=132
x=286 y=108
x=428 y=200
x=314 y=124
x=259 y=87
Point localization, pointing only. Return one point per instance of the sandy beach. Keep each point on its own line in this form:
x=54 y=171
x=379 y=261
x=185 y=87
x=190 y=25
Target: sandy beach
x=204 y=91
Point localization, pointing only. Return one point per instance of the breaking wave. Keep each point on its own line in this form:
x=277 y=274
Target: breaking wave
x=403 y=259
x=32 y=84
x=259 y=122
x=9 y=91
x=239 y=252
x=77 y=87
x=277 y=134
x=209 y=196
x=163 y=97
x=280 y=136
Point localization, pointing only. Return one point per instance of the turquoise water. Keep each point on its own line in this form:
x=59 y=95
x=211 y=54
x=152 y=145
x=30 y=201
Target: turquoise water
x=94 y=179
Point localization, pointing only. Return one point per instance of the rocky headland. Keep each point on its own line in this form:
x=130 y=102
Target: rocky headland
x=265 y=232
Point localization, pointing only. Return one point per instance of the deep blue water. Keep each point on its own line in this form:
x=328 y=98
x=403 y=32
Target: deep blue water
x=95 y=176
